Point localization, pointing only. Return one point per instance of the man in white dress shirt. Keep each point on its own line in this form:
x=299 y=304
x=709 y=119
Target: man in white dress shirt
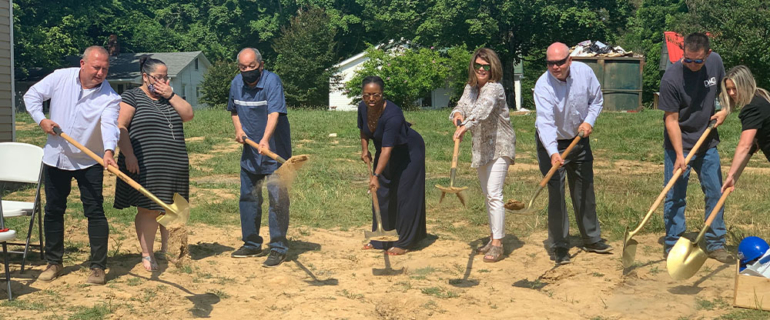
x=568 y=100
x=86 y=108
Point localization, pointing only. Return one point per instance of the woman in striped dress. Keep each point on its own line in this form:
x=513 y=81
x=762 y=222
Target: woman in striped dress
x=152 y=152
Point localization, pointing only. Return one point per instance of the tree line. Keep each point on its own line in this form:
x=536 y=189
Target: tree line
x=301 y=40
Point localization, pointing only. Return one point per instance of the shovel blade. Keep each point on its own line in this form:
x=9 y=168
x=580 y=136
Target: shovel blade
x=381 y=235
x=629 y=250
x=178 y=215
x=461 y=196
x=685 y=259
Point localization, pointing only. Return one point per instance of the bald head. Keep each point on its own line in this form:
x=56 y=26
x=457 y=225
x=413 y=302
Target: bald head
x=248 y=55
x=558 y=60
x=557 y=51
x=94 y=66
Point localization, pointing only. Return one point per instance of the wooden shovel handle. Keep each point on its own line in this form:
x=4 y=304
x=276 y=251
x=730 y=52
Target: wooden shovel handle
x=563 y=155
x=713 y=215
x=676 y=176
x=268 y=153
x=455 y=153
x=112 y=169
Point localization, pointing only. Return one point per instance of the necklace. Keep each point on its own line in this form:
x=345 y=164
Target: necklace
x=170 y=125
x=373 y=117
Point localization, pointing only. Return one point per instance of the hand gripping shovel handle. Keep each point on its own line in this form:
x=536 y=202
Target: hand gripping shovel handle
x=263 y=151
x=675 y=177
x=563 y=156
x=114 y=170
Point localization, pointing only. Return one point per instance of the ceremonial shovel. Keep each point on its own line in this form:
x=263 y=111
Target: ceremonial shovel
x=379 y=234
x=452 y=189
x=629 y=245
x=288 y=168
x=176 y=213
x=518 y=206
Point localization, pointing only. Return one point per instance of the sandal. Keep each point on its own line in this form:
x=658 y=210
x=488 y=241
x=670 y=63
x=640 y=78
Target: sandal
x=396 y=251
x=160 y=255
x=485 y=248
x=494 y=254
x=152 y=265
x=368 y=246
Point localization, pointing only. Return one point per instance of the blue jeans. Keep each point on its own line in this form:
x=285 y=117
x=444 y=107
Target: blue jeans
x=251 y=211
x=710 y=175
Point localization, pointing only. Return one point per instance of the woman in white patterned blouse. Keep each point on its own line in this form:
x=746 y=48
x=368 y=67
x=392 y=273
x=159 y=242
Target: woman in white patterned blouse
x=483 y=111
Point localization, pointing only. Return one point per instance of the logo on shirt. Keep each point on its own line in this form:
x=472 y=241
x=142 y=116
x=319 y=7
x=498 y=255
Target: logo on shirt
x=710 y=82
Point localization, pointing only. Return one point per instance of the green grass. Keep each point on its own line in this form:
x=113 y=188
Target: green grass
x=330 y=191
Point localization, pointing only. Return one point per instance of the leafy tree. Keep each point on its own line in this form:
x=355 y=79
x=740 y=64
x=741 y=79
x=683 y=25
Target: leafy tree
x=306 y=54
x=216 y=83
x=412 y=74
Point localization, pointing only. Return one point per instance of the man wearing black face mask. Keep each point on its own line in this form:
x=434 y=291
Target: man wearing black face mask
x=258 y=109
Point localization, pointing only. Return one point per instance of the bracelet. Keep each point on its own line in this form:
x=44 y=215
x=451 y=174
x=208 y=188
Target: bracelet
x=172 y=95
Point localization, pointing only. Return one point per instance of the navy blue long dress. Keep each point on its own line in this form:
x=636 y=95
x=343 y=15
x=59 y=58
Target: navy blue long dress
x=402 y=183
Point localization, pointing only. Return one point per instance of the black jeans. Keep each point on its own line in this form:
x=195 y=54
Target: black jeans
x=57 y=189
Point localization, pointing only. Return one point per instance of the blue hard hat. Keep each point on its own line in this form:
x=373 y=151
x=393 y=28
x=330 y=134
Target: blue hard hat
x=752 y=248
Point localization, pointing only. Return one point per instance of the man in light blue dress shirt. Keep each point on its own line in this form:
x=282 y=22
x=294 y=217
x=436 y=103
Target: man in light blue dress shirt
x=86 y=108
x=568 y=100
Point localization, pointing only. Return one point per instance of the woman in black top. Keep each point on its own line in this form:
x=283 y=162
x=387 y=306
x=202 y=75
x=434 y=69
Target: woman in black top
x=739 y=90
x=399 y=167
x=152 y=152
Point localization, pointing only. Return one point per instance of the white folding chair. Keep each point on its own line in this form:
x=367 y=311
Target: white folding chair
x=22 y=163
x=5 y=235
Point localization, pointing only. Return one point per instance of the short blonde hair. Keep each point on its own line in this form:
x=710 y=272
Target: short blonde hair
x=745 y=86
x=496 y=68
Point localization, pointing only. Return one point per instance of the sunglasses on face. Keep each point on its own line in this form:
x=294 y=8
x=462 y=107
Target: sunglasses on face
x=479 y=66
x=372 y=95
x=556 y=63
x=698 y=61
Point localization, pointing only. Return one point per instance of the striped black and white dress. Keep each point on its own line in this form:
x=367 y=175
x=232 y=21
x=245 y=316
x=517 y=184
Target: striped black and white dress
x=157 y=137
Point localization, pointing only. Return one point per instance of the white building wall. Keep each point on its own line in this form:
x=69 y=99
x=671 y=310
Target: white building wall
x=338 y=100
x=191 y=79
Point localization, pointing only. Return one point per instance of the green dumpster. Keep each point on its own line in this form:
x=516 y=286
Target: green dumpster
x=621 y=81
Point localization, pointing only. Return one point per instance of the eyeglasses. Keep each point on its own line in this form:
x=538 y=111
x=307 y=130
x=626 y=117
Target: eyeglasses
x=698 y=61
x=479 y=66
x=372 y=95
x=557 y=63
x=161 y=78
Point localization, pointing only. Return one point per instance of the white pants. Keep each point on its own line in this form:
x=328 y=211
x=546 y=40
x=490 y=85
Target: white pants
x=492 y=178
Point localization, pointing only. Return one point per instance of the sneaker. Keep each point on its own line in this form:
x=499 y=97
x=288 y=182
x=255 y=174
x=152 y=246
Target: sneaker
x=562 y=256
x=722 y=256
x=97 y=276
x=274 y=259
x=246 y=252
x=52 y=271
x=598 y=247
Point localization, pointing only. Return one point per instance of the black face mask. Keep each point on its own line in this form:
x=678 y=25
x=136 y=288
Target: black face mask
x=251 y=76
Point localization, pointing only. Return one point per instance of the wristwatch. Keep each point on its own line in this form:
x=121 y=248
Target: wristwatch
x=376 y=174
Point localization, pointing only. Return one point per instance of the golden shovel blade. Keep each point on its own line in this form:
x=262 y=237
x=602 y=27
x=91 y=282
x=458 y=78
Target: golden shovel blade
x=685 y=259
x=178 y=215
x=629 y=249
x=288 y=170
x=454 y=190
x=381 y=235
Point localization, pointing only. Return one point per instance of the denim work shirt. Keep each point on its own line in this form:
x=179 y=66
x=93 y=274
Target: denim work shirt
x=562 y=106
x=90 y=116
x=252 y=105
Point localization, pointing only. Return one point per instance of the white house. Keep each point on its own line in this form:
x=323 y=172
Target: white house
x=185 y=69
x=338 y=100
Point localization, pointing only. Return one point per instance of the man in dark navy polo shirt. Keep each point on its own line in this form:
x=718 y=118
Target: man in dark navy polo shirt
x=688 y=92
x=258 y=110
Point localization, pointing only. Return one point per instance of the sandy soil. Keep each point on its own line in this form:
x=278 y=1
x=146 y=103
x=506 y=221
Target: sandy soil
x=328 y=276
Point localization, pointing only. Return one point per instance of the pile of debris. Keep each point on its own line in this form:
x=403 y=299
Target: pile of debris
x=598 y=49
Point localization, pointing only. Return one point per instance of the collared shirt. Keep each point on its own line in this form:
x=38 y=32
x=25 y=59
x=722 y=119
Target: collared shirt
x=562 y=106
x=253 y=105
x=487 y=118
x=90 y=116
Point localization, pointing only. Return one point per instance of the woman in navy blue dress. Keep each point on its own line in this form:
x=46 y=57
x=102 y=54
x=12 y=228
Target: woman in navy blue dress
x=399 y=168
